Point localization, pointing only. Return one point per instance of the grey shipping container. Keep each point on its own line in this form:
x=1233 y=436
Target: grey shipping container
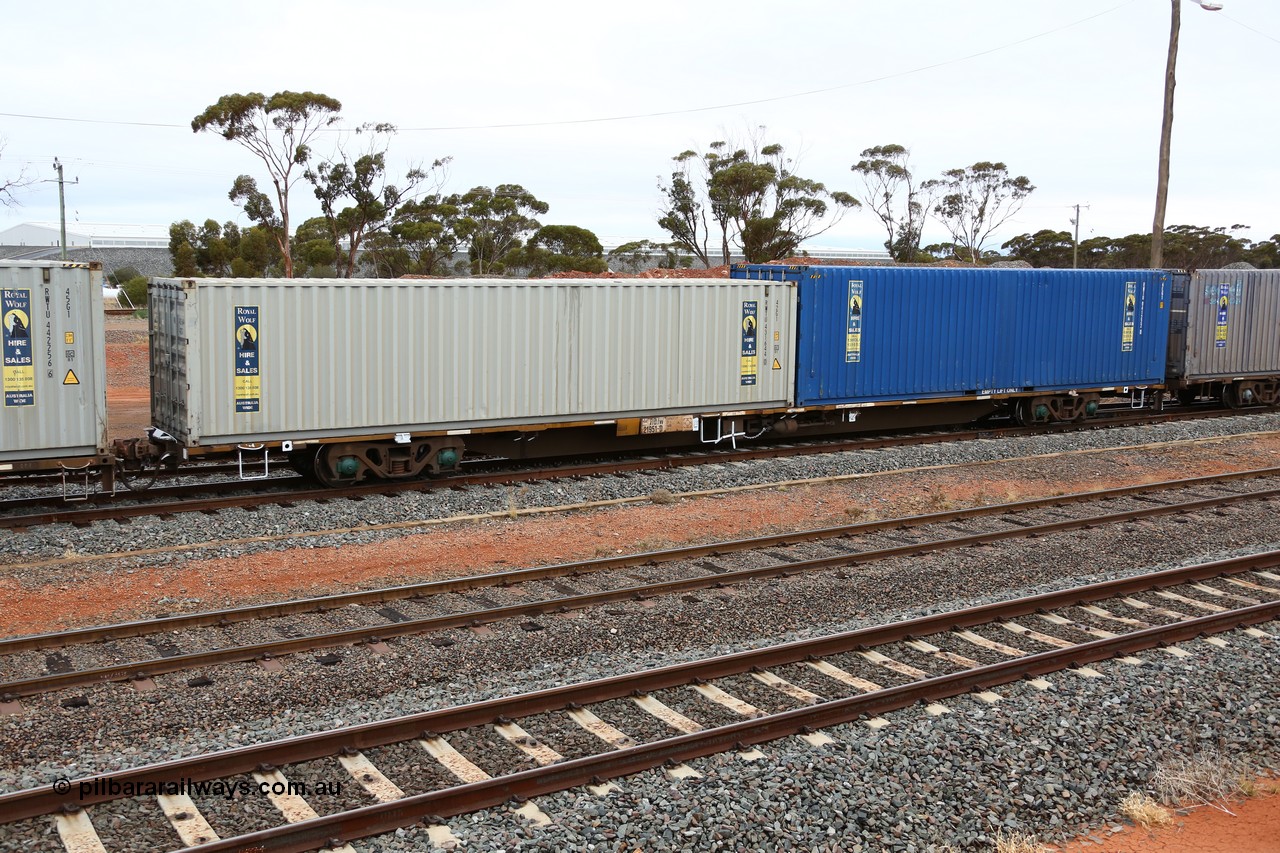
x=55 y=407
x=239 y=361
x=1225 y=334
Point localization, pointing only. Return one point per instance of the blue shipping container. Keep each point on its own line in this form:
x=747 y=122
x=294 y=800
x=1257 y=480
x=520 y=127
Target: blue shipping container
x=911 y=333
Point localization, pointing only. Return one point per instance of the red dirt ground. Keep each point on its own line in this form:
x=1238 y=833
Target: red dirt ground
x=1255 y=828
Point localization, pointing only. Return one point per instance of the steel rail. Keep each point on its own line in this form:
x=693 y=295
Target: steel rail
x=44 y=800
x=219 y=618
x=213 y=469
x=376 y=633
x=150 y=497
x=434 y=806
x=695 y=457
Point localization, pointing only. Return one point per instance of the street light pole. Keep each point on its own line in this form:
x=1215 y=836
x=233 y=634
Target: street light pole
x=1166 y=132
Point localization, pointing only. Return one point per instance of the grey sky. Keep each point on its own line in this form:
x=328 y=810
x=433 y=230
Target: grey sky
x=1066 y=92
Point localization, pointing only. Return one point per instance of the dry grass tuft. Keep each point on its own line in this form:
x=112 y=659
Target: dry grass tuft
x=662 y=496
x=1207 y=778
x=937 y=502
x=1144 y=811
x=1017 y=842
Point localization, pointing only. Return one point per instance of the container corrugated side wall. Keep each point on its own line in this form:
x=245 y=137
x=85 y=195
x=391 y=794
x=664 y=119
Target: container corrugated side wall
x=368 y=357
x=54 y=404
x=895 y=333
x=1236 y=339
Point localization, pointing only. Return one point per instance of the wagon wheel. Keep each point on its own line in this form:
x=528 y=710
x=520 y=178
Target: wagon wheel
x=320 y=468
x=136 y=475
x=1025 y=412
x=325 y=472
x=1186 y=396
x=1231 y=397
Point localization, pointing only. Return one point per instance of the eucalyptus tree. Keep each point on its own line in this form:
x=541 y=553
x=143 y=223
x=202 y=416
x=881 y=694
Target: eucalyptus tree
x=894 y=197
x=753 y=197
x=559 y=248
x=493 y=222
x=278 y=130
x=975 y=201
x=361 y=179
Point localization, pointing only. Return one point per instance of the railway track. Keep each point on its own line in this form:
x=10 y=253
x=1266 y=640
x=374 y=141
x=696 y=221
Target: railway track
x=213 y=469
x=211 y=497
x=39 y=664
x=509 y=749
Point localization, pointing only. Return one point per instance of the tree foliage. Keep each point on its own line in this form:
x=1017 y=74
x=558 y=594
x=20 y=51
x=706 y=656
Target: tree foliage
x=421 y=238
x=1045 y=248
x=894 y=197
x=559 y=248
x=134 y=291
x=314 y=252
x=220 y=251
x=975 y=201
x=118 y=277
x=1265 y=255
x=1186 y=247
x=644 y=254
x=753 y=198
x=278 y=130
x=490 y=225
x=493 y=222
x=361 y=179
x=8 y=185
x=684 y=215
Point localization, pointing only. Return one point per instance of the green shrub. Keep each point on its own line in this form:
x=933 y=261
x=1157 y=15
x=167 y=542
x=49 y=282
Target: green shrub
x=122 y=275
x=134 y=292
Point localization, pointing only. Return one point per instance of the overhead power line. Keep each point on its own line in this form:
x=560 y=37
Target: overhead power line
x=637 y=116
x=662 y=113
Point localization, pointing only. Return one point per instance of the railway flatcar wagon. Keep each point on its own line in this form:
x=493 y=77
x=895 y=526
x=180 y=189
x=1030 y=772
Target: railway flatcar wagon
x=395 y=378
x=1224 y=339
x=1049 y=344
x=54 y=412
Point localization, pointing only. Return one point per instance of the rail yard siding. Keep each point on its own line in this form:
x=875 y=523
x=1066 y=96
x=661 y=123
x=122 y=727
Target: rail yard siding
x=238 y=360
x=1233 y=324
x=54 y=403
x=882 y=333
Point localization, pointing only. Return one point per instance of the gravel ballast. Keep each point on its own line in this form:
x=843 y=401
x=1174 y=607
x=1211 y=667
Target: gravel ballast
x=218 y=533
x=1049 y=762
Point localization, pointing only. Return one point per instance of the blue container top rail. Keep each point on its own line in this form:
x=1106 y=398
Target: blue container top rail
x=869 y=334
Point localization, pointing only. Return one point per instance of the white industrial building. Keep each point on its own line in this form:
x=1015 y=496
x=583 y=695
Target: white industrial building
x=86 y=235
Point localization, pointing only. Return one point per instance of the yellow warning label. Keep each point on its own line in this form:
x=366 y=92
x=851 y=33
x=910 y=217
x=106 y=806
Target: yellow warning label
x=69 y=338
x=71 y=378
x=777 y=365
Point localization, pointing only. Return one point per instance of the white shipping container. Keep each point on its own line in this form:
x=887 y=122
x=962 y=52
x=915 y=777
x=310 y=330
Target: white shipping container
x=265 y=360
x=54 y=407
x=1232 y=326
